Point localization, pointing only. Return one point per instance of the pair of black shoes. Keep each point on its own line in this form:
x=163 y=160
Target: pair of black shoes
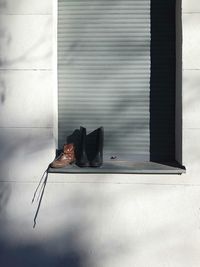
x=90 y=148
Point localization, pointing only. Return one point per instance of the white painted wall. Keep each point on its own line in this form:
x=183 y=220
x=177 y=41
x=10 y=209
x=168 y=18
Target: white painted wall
x=87 y=220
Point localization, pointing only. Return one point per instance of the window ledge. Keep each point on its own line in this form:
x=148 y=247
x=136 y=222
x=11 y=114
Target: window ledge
x=125 y=167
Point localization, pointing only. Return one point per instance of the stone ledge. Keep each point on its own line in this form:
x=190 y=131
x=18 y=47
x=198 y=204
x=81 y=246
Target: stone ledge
x=125 y=167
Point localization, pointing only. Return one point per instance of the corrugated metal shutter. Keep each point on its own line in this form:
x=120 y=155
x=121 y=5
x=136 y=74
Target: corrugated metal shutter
x=104 y=73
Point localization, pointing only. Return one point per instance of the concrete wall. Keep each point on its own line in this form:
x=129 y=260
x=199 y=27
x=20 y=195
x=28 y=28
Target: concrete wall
x=87 y=220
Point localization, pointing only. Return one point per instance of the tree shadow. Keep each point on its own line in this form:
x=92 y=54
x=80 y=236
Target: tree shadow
x=30 y=255
x=5 y=192
x=3 y=4
x=3 y=91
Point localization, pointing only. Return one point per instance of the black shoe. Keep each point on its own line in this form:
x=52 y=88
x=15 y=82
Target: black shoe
x=97 y=159
x=82 y=160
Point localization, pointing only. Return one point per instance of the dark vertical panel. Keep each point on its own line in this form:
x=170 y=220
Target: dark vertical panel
x=162 y=85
